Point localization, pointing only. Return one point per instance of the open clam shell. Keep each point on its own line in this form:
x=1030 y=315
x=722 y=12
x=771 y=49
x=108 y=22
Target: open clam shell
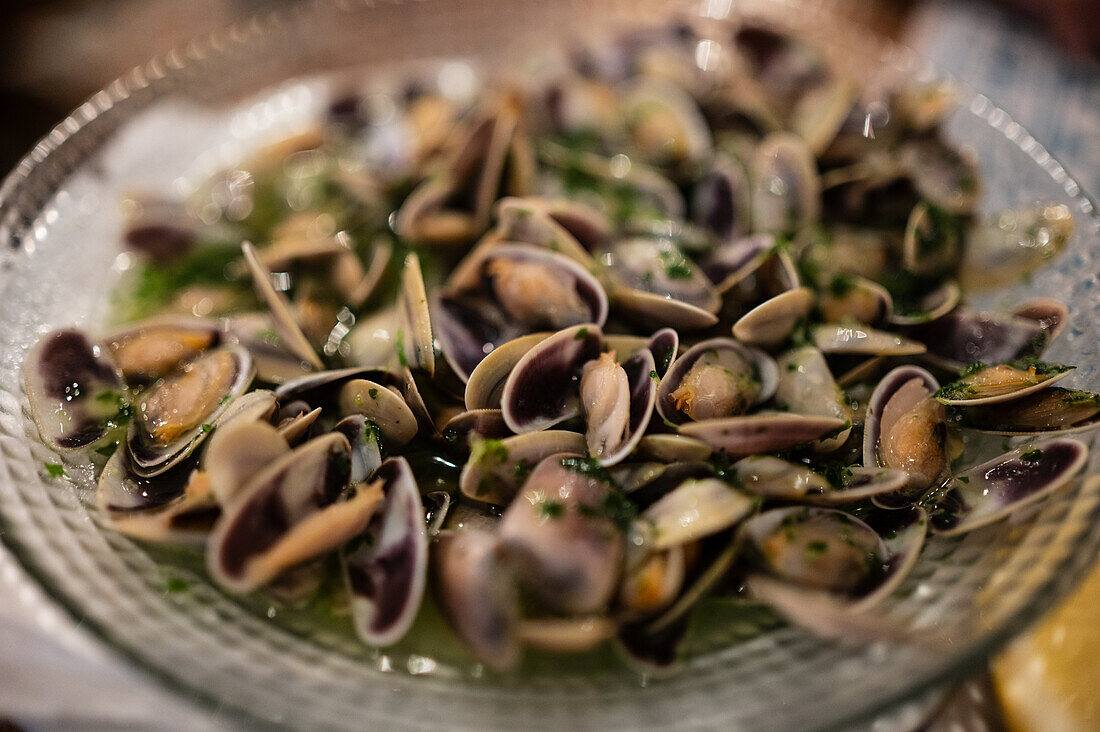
x=496 y=469
x=564 y=548
x=966 y=336
x=665 y=124
x=385 y=575
x=981 y=384
x=617 y=417
x=237 y=452
x=416 y=337
x=543 y=388
x=773 y=478
x=151 y=349
x=763 y=432
x=931 y=306
x=275 y=363
x=992 y=490
x=904 y=427
x=186 y=519
x=722 y=199
x=120 y=490
x=718 y=377
x=486 y=382
x=1053 y=409
x=74 y=391
x=294 y=510
x=653 y=281
x=366 y=446
x=174 y=415
x=806 y=386
x=477 y=595
x=733 y=261
x=1012 y=245
x=672 y=449
x=932 y=241
x=850 y=298
x=474 y=423
x=786 y=188
x=694 y=509
x=817 y=548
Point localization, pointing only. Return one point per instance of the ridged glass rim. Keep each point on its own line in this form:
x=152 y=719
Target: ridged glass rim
x=30 y=185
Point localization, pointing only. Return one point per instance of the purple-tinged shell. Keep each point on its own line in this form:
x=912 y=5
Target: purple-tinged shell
x=477 y=595
x=730 y=263
x=966 y=336
x=664 y=345
x=121 y=491
x=366 y=453
x=385 y=575
x=486 y=382
x=570 y=562
x=543 y=388
x=886 y=388
x=722 y=201
x=992 y=490
x=761 y=364
x=642 y=386
x=762 y=432
x=496 y=469
x=482 y=423
x=74 y=391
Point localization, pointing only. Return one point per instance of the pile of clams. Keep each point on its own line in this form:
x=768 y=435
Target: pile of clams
x=570 y=357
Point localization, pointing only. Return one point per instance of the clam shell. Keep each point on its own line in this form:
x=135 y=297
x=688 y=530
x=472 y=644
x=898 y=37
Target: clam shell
x=691 y=135
x=385 y=575
x=965 y=336
x=568 y=557
x=722 y=200
x=75 y=393
x=496 y=469
x=880 y=397
x=366 y=452
x=857 y=299
x=959 y=394
x=237 y=452
x=486 y=382
x=693 y=510
x=1044 y=412
x=187 y=519
x=255 y=331
x=989 y=492
x=931 y=242
x=834 y=338
x=771 y=323
x=382 y=407
x=483 y=423
x=154 y=348
x=653 y=281
x=413 y=307
x=806 y=386
x=542 y=389
x=289 y=513
x=149 y=457
x=773 y=478
x=786 y=187
x=530 y=221
x=120 y=491
x=566 y=635
x=282 y=318
x=732 y=262
x=762 y=432
x=672 y=449
x=763 y=366
x=642 y=394
x=933 y=306
x=477 y=595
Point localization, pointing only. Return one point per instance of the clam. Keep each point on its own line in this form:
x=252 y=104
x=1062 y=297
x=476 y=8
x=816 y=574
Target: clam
x=543 y=388
x=786 y=192
x=859 y=340
x=653 y=281
x=454 y=207
x=75 y=393
x=486 y=382
x=496 y=469
x=773 y=478
x=927 y=307
x=465 y=426
x=714 y=379
x=120 y=491
x=418 y=348
x=237 y=452
x=694 y=509
x=966 y=336
x=532 y=221
x=186 y=519
x=618 y=401
x=905 y=427
x=943 y=175
x=932 y=241
x=524 y=289
x=385 y=575
x=282 y=318
x=382 y=407
x=1052 y=409
x=566 y=635
x=296 y=509
x=771 y=323
x=149 y=350
x=1014 y=244
x=721 y=201
x=733 y=261
x=366 y=446
x=819 y=114
x=173 y=416
x=654 y=583
x=817 y=548
x=982 y=384
x=672 y=448
x=477 y=595
x=665 y=125
x=557 y=534
x=806 y=386
x=763 y=432
x=850 y=298
x=992 y=490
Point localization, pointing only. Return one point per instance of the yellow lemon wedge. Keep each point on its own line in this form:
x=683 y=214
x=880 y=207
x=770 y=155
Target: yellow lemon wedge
x=1046 y=680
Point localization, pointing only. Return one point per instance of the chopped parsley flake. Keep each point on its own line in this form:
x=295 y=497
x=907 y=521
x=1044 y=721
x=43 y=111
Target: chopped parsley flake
x=55 y=470
x=1032 y=456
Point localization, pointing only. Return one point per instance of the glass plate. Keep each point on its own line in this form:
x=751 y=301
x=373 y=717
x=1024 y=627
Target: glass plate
x=168 y=123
